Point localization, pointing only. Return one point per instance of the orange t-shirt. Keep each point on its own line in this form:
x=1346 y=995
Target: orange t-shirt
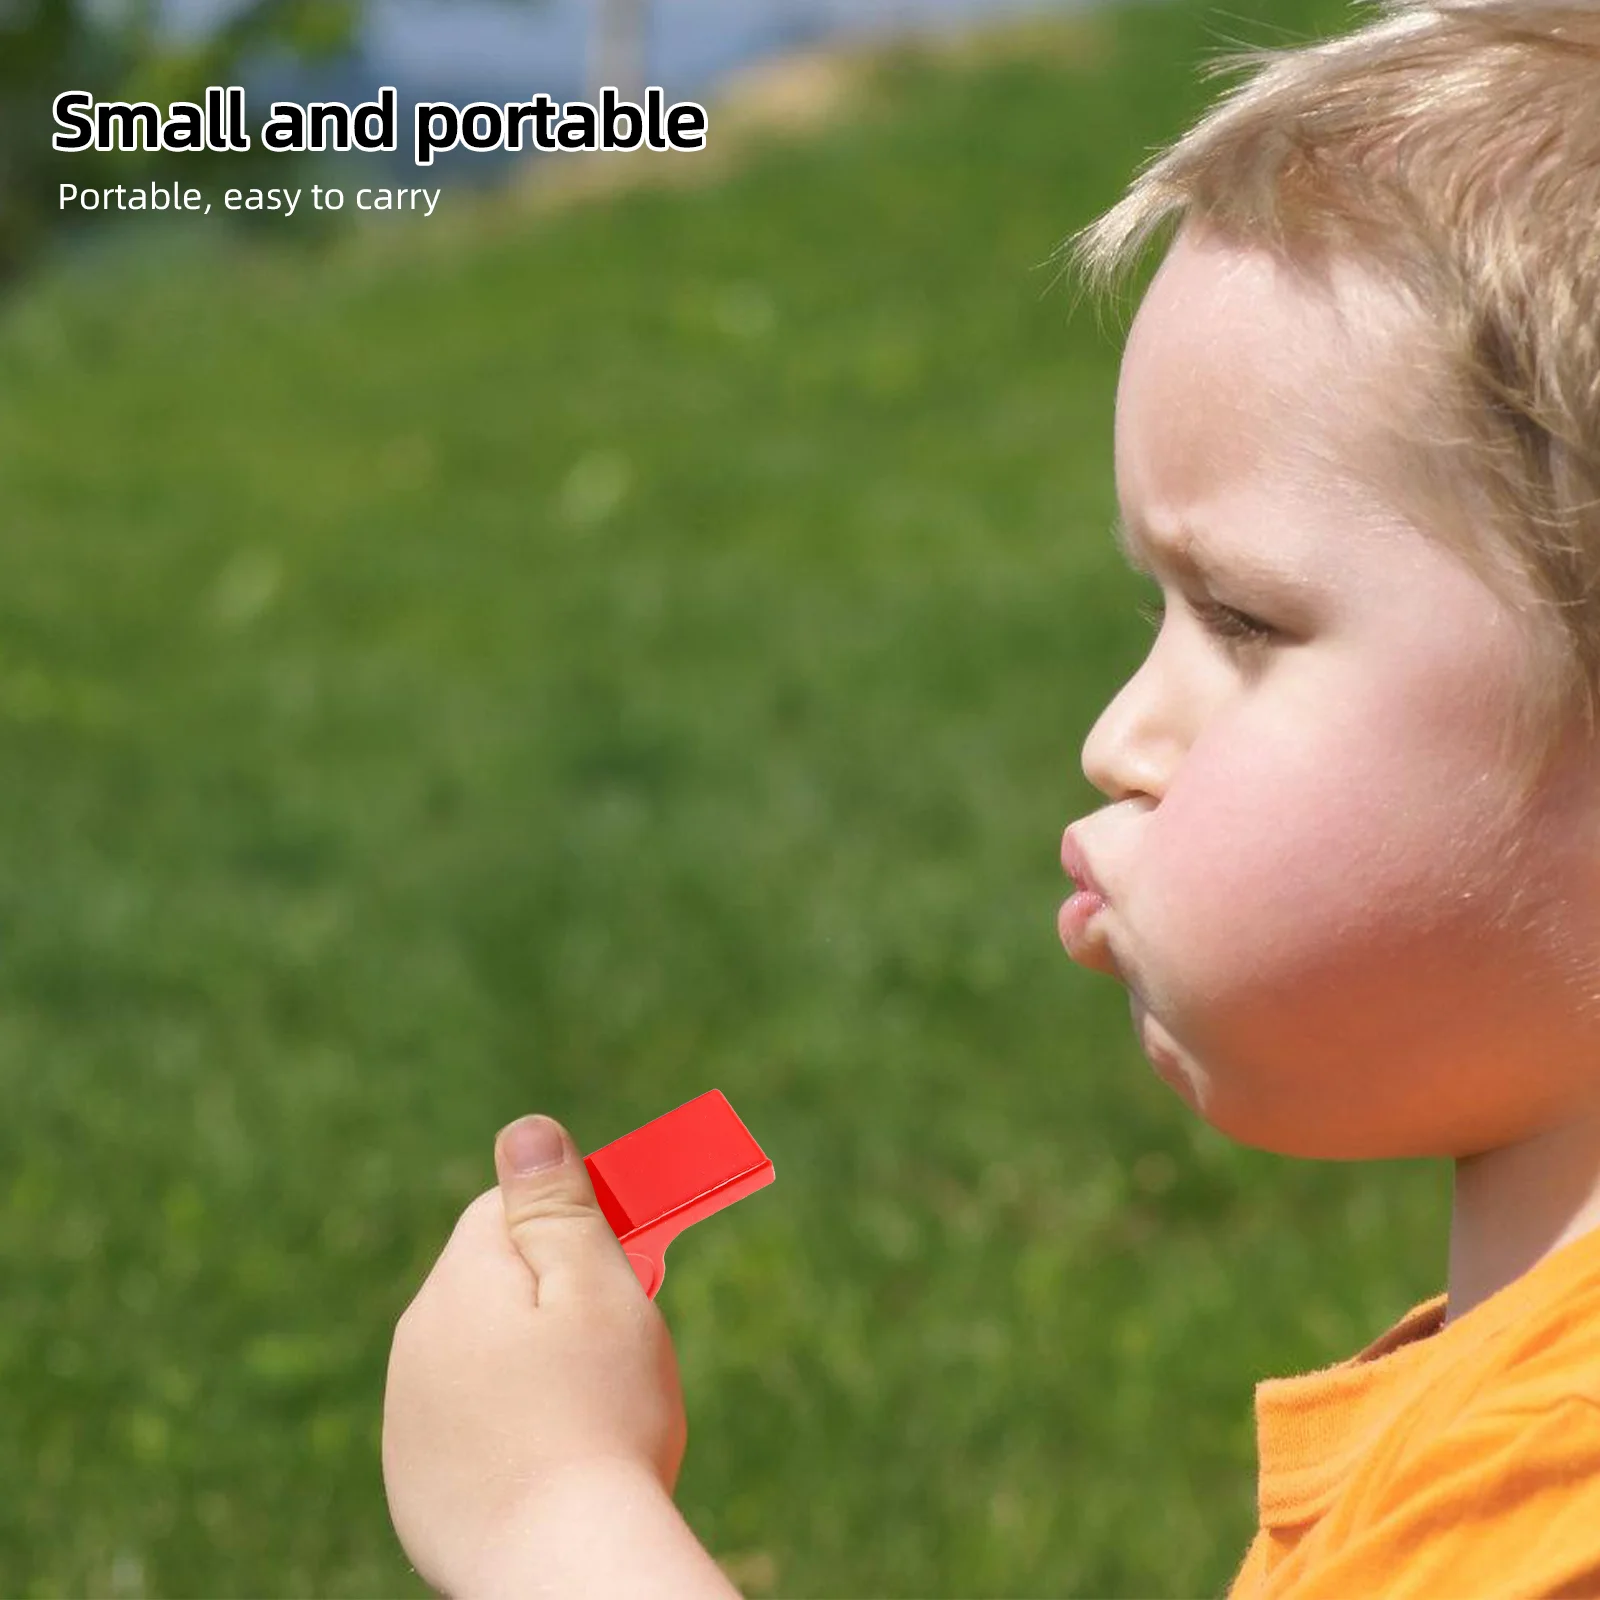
x=1446 y=1460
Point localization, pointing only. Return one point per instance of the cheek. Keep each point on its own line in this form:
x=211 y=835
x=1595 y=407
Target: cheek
x=1310 y=935
x=1279 y=852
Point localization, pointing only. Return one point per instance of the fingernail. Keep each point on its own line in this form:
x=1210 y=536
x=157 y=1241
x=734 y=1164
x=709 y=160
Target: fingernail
x=534 y=1143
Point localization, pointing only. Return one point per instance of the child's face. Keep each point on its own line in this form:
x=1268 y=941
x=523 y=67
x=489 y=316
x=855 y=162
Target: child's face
x=1341 y=933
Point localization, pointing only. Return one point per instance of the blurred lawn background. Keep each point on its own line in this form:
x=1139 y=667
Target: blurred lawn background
x=568 y=660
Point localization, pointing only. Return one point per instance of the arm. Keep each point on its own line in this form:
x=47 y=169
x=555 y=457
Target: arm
x=607 y=1529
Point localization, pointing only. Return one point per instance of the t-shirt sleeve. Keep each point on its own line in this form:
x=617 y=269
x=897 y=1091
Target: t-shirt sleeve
x=1504 y=1505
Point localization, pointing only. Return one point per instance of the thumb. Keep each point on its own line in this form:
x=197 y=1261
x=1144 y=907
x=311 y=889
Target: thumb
x=553 y=1216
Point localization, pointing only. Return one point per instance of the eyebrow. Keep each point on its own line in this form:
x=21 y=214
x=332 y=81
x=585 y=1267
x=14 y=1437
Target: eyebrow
x=1191 y=552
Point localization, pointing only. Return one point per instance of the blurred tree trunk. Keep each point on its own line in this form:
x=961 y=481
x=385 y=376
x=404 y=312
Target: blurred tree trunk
x=45 y=47
x=619 y=47
x=115 y=51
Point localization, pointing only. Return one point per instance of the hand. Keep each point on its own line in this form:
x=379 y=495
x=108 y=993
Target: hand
x=530 y=1352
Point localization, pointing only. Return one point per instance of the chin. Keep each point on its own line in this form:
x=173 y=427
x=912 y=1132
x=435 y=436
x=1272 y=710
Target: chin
x=1244 y=1119
x=1168 y=1059
x=1305 y=1133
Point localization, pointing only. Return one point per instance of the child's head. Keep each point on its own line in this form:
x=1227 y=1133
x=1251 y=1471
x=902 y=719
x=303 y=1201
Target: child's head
x=1352 y=862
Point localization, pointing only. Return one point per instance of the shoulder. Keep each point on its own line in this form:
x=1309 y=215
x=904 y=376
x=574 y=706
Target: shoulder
x=1548 y=1358
x=1499 y=1501
x=1505 y=1416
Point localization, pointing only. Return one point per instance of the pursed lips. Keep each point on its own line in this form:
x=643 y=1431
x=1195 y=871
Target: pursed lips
x=1075 y=864
x=1085 y=942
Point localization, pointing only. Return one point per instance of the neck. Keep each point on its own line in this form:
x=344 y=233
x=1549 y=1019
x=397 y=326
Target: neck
x=1516 y=1205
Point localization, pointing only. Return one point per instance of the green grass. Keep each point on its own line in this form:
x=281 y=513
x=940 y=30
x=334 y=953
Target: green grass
x=568 y=664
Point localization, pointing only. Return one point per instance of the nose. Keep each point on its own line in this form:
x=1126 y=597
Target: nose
x=1136 y=742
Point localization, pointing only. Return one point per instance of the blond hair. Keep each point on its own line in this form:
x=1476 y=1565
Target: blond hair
x=1452 y=148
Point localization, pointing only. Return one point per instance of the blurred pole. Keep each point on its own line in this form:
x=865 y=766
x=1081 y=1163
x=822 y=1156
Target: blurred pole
x=618 y=49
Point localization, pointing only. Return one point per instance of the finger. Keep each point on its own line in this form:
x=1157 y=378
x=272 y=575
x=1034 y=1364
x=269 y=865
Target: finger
x=553 y=1216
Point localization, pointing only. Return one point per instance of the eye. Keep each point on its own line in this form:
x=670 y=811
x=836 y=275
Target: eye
x=1237 y=628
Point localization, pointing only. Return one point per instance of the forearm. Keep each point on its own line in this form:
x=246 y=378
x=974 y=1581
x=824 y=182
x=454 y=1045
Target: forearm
x=603 y=1530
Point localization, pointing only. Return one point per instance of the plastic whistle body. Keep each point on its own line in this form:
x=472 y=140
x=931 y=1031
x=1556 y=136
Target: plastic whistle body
x=671 y=1173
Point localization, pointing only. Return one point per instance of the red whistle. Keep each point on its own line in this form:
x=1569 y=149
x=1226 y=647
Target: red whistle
x=673 y=1172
